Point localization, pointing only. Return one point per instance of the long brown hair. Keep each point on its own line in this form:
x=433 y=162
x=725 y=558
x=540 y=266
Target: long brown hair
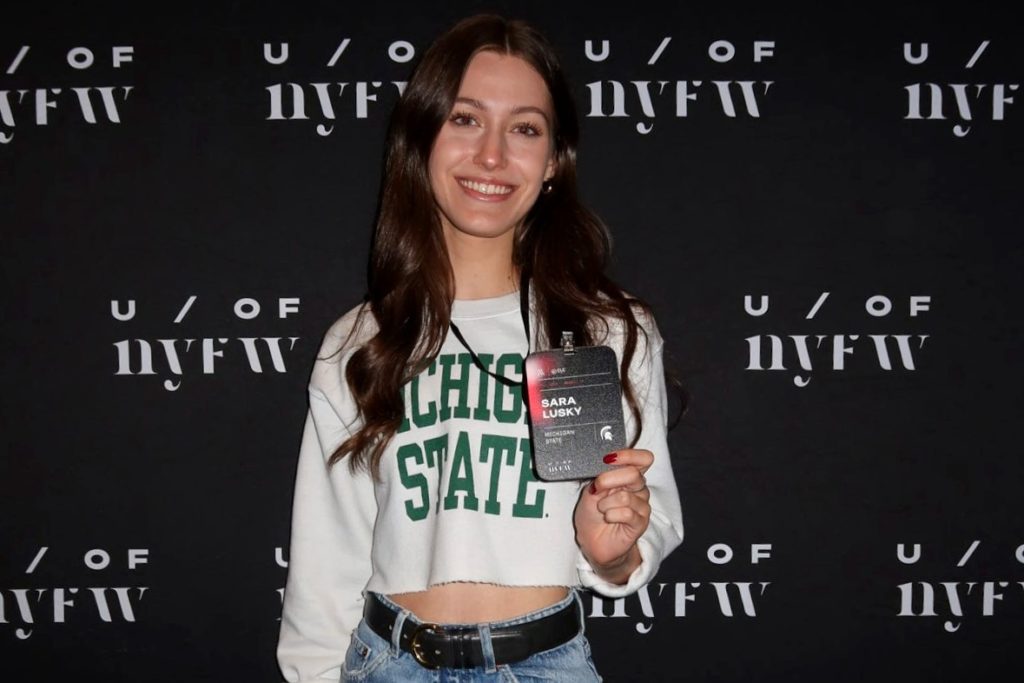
x=561 y=246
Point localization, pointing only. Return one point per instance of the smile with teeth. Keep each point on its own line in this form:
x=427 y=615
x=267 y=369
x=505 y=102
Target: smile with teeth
x=486 y=188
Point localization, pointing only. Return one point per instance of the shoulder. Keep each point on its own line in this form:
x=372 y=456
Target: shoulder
x=614 y=332
x=343 y=338
x=350 y=331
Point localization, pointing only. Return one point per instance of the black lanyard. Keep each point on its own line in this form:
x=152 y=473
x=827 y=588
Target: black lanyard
x=524 y=310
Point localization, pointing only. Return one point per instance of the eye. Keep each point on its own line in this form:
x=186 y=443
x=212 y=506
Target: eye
x=527 y=129
x=461 y=118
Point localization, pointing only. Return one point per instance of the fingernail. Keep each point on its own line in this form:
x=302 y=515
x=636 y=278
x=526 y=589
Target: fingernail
x=610 y=458
x=593 y=488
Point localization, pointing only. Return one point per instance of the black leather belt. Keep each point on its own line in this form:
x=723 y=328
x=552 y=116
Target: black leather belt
x=436 y=645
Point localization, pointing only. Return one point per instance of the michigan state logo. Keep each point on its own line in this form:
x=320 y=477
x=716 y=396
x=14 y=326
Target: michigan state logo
x=481 y=463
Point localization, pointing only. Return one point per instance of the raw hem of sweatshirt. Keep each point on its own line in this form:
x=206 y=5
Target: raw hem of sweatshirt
x=419 y=589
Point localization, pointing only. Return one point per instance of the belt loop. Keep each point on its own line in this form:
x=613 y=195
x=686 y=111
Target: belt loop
x=583 y=613
x=488 y=648
x=396 y=631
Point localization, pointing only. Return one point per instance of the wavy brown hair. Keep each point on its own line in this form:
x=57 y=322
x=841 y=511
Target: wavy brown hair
x=561 y=246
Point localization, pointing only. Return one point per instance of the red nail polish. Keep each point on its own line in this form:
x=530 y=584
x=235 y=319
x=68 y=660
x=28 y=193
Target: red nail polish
x=611 y=457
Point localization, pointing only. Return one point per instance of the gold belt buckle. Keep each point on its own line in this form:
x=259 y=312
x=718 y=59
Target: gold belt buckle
x=417 y=647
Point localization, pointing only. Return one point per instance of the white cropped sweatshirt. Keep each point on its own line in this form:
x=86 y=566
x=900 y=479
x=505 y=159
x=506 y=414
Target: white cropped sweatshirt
x=457 y=499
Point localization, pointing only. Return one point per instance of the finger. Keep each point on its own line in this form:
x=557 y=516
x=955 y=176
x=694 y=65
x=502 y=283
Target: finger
x=629 y=478
x=639 y=490
x=631 y=517
x=638 y=457
x=624 y=500
x=595 y=490
x=615 y=499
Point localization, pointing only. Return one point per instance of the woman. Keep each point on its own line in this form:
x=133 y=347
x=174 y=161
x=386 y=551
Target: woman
x=420 y=536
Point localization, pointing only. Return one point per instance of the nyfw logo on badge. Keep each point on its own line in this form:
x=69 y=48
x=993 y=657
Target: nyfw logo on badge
x=84 y=88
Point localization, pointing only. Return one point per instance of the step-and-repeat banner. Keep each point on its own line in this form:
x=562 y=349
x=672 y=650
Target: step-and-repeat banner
x=823 y=209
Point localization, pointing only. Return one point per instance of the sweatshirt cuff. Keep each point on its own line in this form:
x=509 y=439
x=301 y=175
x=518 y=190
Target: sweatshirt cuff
x=640 y=577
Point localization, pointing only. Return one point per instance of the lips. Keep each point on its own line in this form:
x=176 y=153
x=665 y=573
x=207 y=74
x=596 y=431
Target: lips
x=490 y=189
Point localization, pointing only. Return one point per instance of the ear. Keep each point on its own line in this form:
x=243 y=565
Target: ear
x=552 y=166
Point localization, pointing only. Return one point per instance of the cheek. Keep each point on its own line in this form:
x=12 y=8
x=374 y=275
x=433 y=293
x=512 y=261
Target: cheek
x=533 y=159
x=443 y=157
x=435 y=168
x=433 y=172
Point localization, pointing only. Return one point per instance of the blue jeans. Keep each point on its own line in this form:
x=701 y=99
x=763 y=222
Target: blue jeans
x=372 y=659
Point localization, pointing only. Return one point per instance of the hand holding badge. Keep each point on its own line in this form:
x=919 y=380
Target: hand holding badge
x=575 y=408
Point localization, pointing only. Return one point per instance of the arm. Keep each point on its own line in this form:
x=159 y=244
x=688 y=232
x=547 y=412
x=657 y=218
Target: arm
x=329 y=560
x=637 y=564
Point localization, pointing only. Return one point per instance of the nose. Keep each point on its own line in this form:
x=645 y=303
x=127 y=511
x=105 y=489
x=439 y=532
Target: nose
x=491 y=152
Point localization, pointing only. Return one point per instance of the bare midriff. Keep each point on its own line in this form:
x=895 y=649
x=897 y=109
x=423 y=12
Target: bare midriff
x=466 y=603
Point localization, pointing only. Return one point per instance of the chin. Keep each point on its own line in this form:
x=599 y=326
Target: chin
x=485 y=226
x=486 y=232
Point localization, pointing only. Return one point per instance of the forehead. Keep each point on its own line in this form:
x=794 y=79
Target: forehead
x=504 y=82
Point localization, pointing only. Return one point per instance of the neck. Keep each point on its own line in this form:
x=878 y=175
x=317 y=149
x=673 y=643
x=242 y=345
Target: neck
x=482 y=266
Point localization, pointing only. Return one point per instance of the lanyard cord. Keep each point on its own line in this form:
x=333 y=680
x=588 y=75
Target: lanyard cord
x=524 y=310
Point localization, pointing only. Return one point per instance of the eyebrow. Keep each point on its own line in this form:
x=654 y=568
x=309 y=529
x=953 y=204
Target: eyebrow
x=522 y=109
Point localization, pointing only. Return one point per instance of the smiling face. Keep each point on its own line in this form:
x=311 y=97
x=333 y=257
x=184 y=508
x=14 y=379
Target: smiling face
x=493 y=154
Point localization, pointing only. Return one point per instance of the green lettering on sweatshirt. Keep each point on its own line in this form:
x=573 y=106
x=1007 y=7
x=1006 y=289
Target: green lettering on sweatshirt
x=461 y=478
x=508 y=401
x=459 y=384
x=412 y=451
x=523 y=507
x=495 y=449
x=429 y=417
x=481 y=412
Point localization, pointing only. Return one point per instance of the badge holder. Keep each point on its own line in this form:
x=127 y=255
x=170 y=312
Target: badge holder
x=575 y=407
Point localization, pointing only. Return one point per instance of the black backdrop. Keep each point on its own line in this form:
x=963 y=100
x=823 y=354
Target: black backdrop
x=823 y=209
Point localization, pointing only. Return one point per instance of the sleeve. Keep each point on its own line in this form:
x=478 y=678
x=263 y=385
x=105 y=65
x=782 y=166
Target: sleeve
x=665 y=530
x=329 y=558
